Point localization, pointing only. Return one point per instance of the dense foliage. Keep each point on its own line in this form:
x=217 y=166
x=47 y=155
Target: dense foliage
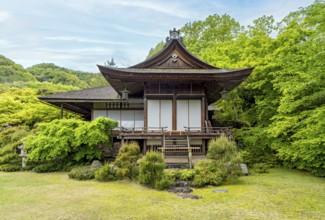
x=151 y=170
x=20 y=109
x=11 y=72
x=126 y=161
x=208 y=172
x=48 y=72
x=106 y=173
x=82 y=173
x=69 y=139
x=223 y=164
x=279 y=110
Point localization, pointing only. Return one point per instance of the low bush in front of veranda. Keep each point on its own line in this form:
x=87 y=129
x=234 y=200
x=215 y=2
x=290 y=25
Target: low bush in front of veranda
x=106 y=173
x=186 y=174
x=151 y=171
x=226 y=154
x=181 y=174
x=168 y=180
x=209 y=172
x=82 y=173
x=125 y=164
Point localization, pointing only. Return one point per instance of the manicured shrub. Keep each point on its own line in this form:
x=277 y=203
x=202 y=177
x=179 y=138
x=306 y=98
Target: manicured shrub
x=168 y=179
x=106 y=173
x=225 y=152
x=173 y=173
x=261 y=168
x=82 y=173
x=209 y=172
x=10 y=167
x=48 y=167
x=186 y=175
x=126 y=161
x=151 y=169
x=222 y=149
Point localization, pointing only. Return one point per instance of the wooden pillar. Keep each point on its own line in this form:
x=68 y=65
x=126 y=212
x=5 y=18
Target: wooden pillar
x=174 y=116
x=203 y=145
x=61 y=114
x=145 y=114
x=203 y=111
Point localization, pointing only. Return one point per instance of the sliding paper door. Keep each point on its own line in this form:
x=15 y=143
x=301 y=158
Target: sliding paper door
x=188 y=114
x=160 y=114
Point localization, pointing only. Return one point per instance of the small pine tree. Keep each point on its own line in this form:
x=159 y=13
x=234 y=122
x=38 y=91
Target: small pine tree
x=151 y=169
x=126 y=161
x=225 y=152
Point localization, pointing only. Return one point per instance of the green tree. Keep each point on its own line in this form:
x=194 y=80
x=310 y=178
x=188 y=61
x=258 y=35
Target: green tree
x=69 y=140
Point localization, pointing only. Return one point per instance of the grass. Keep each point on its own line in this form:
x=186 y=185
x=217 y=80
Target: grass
x=280 y=194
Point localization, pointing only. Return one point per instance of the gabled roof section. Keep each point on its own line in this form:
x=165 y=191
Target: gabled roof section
x=174 y=56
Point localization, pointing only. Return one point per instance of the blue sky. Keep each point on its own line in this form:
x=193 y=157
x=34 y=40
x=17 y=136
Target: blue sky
x=79 y=34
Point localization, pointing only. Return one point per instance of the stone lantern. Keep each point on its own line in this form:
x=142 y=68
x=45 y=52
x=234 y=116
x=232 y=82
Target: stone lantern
x=23 y=155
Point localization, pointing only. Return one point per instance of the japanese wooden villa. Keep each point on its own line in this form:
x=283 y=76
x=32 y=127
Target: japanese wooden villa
x=162 y=103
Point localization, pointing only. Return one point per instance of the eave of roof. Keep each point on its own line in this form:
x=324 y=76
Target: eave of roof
x=130 y=73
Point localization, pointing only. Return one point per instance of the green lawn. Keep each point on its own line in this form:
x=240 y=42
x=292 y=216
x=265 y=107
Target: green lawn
x=280 y=194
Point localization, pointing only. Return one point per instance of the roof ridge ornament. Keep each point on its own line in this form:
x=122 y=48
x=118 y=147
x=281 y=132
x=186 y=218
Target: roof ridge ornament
x=174 y=35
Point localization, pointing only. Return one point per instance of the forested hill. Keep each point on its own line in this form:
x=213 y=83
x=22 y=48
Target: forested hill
x=20 y=109
x=11 y=72
x=279 y=111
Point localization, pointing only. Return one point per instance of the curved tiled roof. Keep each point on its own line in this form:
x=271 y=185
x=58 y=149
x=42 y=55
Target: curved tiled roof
x=98 y=93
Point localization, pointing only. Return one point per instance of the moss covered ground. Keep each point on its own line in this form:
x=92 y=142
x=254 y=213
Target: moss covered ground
x=279 y=194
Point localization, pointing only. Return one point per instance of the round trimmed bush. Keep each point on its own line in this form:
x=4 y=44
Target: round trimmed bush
x=82 y=173
x=209 y=172
x=106 y=173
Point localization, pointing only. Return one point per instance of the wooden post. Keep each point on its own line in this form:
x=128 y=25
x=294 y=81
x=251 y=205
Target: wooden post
x=174 y=117
x=61 y=114
x=163 y=145
x=189 y=152
x=203 y=112
x=145 y=114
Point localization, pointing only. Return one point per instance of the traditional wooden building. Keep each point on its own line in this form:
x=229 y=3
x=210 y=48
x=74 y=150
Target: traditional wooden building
x=162 y=102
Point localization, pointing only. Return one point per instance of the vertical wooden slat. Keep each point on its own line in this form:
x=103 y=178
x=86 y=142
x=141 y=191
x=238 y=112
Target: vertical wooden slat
x=145 y=114
x=174 y=117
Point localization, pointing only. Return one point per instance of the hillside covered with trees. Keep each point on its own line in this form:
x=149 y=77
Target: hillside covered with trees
x=278 y=112
x=20 y=109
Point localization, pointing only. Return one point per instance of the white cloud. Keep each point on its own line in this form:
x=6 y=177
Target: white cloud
x=6 y=44
x=159 y=34
x=172 y=8
x=86 y=40
x=4 y=16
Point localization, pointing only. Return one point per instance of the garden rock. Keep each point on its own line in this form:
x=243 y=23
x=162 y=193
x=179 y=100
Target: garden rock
x=180 y=190
x=96 y=164
x=181 y=183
